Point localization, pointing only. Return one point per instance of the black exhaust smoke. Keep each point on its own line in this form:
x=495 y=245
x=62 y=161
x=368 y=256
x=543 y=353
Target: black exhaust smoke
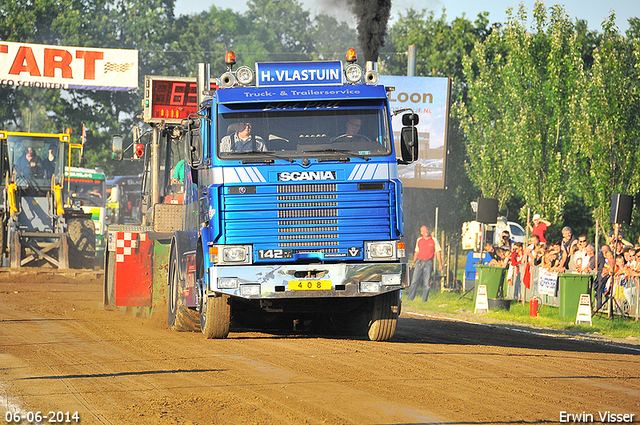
x=372 y=16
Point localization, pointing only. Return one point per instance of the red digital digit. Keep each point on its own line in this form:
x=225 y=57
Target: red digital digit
x=178 y=94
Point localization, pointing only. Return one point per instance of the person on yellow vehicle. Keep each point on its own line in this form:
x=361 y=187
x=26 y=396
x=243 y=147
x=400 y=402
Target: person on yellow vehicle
x=29 y=164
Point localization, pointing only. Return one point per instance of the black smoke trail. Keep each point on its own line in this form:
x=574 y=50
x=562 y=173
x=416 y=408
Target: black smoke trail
x=372 y=17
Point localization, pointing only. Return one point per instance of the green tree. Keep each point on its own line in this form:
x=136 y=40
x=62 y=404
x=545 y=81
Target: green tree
x=440 y=45
x=522 y=86
x=331 y=39
x=607 y=124
x=283 y=26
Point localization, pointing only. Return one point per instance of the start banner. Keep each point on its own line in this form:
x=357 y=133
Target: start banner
x=61 y=67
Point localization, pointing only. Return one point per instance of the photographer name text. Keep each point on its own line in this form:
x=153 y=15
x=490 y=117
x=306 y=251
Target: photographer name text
x=603 y=417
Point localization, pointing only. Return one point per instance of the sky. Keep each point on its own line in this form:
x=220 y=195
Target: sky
x=593 y=11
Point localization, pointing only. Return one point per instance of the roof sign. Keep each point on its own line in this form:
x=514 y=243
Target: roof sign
x=274 y=74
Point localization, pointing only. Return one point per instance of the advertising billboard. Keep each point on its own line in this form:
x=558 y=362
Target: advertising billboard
x=429 y=98
x=61 y=67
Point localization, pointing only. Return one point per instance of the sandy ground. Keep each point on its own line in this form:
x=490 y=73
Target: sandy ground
x=61 y=352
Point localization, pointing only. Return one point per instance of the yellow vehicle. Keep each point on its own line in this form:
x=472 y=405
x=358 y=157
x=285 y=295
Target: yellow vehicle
x=35 y=223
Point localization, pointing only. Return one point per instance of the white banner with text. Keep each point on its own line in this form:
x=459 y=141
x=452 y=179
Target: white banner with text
x=61 y=67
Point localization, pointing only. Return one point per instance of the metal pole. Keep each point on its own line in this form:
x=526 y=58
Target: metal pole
x=411 y=61
x=155 y=167
x=435 y=226
x=526 y=241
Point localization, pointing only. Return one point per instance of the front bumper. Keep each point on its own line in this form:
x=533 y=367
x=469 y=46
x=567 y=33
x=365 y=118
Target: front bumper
x=295 y=280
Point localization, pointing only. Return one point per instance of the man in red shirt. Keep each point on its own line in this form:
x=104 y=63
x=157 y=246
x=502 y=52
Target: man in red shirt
x=426 y=248
x=539 y=228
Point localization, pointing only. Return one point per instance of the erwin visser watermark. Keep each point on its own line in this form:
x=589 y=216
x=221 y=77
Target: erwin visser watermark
x=603 y=417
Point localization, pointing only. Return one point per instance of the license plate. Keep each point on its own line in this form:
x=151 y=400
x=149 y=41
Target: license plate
x=309 y=285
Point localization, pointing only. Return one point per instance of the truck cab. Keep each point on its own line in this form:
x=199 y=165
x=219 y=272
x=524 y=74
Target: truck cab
x=293 y=203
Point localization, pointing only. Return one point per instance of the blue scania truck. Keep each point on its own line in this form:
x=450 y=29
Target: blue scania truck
x=292 y=201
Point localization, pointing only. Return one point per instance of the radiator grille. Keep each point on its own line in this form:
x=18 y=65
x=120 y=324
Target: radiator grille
x=306 y=222
x=295 y=244
x=307 y=204
x=306 y=188
x=332 y=212
x=310 y=218
x=305 y=197
x=307 y=229
x=305 y=236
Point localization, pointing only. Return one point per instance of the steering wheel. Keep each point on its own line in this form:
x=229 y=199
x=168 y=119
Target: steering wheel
x=350 y=136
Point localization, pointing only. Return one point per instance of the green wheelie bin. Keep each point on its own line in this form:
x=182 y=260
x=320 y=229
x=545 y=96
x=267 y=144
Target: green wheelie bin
x=490 y=276
x=570 y=287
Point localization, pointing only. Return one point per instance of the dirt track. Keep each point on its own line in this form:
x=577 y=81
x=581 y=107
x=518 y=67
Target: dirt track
x=59 y=351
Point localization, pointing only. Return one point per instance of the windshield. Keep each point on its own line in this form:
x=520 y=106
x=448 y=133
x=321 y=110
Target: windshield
x=305 y=129
x=34 y=159
x=86 y=191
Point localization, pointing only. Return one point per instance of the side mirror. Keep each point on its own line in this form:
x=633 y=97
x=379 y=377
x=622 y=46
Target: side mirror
x=116 y=147
x=409 y=138
x=193 y=144
x=410 y=119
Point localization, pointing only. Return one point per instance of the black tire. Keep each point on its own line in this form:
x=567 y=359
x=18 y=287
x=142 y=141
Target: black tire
x=216 y=316
x=180 y=318
x=82 y=243
x=384 y=316
x=109 y=297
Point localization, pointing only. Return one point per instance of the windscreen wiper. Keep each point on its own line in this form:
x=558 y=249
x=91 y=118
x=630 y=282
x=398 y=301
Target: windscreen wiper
x=269 y=154
x=340 y=151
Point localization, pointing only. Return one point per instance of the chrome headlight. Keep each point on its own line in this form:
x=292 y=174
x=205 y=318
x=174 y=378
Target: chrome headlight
x=234 y=254
x=244 y=75
x=227 y=282
x=381 y=250
x=230 y=254
x=250 y=290
x=370 y=287
x=353 y=73
x=391 y=280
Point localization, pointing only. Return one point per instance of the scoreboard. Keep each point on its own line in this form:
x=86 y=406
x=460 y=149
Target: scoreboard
x=169 y=99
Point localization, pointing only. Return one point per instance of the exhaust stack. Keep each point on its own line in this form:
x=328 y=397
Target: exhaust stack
x=371 y=75
x=202 y=81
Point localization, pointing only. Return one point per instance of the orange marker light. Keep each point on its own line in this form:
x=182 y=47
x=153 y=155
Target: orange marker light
x=230 y=58
x=68 y=130
x=351 y=55
x=139 y=150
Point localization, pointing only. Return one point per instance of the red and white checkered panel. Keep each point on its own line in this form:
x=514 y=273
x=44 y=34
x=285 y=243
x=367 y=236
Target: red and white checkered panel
x=126 y=243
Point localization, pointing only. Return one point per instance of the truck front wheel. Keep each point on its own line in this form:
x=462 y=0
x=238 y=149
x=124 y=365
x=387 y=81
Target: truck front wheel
x=384 y=317
x=216 y=316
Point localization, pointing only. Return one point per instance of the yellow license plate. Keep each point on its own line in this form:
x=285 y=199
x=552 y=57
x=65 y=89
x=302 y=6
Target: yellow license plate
x=309 y=285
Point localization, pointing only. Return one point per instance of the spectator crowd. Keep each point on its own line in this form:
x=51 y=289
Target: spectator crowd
x=616 y=265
